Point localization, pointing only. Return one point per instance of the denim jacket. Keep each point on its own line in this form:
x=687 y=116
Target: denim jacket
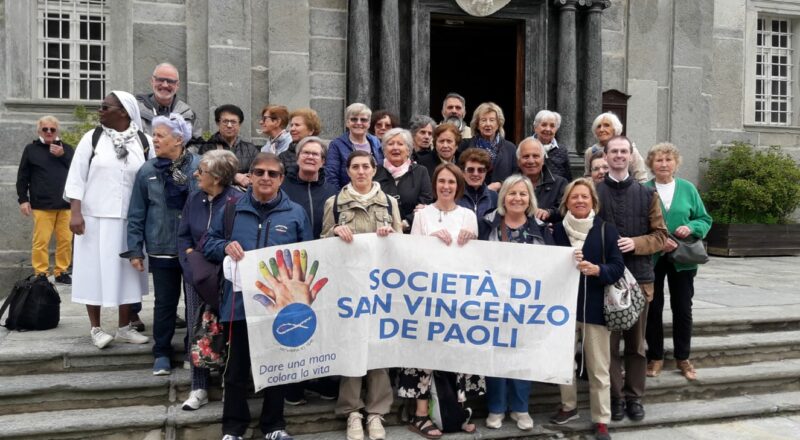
x=151 y=223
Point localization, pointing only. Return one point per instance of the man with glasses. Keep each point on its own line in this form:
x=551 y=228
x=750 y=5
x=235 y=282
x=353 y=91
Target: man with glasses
x=165 y=83
x=264 y=217
x=40 y=187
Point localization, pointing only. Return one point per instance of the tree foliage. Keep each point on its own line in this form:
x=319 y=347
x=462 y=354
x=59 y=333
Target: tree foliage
x=750 y=185
x=86 y=120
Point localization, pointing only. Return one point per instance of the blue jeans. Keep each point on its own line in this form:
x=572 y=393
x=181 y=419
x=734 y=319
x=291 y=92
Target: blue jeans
x=507 y=394
x=167 y=286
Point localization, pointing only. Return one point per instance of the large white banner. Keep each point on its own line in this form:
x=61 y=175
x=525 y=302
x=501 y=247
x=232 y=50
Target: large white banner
x=326 y=307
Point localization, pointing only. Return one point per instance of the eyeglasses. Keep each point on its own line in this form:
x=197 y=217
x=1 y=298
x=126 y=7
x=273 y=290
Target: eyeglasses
x=49 y=129
x=231 y=122
x=383 y=125
x=475 y=170
x=105 y=107
x=201 y=171
x=259 y=172
x=605 y=168
x=160 y=79
x=361 y=120
x=310 y=154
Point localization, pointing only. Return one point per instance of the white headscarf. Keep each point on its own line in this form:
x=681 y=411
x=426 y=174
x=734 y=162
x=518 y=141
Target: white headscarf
x=128 y=101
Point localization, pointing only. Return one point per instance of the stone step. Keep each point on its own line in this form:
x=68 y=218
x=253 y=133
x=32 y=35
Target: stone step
x=740 y=348
x=100 y=389
x=715 y=321
x=104 y=390
x=158 y=421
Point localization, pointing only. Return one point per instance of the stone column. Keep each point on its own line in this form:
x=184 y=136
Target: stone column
x=567 y=94
x=358 y=53
x=389 y=74
x=593 y=92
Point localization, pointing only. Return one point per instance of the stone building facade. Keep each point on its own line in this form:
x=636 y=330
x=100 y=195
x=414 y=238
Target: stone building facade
x=698 y=72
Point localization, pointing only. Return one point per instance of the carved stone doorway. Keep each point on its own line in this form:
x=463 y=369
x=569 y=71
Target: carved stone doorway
x=483 y=60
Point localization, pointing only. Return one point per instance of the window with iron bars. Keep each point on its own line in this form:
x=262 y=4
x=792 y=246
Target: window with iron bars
x=72 y=49
x=774 y=62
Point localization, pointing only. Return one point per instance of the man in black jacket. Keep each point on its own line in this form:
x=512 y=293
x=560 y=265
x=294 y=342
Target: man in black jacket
x=163 y=101
x=40 y=188
x=549 y=188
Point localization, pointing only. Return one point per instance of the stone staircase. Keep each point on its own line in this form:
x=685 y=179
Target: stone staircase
x=55 y=385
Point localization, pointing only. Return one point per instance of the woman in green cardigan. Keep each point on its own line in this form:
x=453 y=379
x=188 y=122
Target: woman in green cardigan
x=685 y=215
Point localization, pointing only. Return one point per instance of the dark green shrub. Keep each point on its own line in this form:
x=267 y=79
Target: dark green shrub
x=85 y=121
x=750 y=185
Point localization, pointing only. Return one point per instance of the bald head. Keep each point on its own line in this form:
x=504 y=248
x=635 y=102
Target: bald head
x=530 y=158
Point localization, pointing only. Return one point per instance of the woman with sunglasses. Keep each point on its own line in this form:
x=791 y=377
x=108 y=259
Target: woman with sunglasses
x=355 y=138
x=99 y=189
x=477 y=196
x=361 y=208
x=159 y=193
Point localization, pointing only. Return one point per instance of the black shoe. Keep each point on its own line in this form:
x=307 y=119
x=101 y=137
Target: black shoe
x=635 y=410
x=617 y=409
x=64 y=278
x=180 y=322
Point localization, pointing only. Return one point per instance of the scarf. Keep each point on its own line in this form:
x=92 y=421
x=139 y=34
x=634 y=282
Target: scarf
x=578 y=228
x=399 y=171
x=176 y=187
x=363 y=198
x=490 y=146
x=119 y=139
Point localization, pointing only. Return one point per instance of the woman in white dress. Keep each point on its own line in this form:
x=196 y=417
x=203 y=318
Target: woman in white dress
x=99 y=186
x=450 y=223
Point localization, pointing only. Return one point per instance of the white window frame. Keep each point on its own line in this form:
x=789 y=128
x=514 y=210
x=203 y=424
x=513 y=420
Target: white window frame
x=85 y=68
x=771 y=10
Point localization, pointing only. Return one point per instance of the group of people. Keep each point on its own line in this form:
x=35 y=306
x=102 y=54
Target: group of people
x=142 y=193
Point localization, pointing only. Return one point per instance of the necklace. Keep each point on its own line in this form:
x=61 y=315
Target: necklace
x=444 y=211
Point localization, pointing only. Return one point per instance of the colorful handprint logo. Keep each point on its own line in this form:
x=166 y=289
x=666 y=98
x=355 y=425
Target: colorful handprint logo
x=289 y=290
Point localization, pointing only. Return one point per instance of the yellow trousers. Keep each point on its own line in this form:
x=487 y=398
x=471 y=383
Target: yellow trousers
x=45 y=222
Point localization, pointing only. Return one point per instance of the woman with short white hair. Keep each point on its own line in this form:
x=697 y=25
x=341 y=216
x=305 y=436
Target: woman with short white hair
x=606 y=126
x=356 y=137
x=545 y=126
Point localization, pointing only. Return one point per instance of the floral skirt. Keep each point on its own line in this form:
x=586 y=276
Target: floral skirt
x=415 y=383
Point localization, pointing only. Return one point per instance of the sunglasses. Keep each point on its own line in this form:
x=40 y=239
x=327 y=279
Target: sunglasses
x=473 y=170
x=259 y=172
x=105 y=107
x=361 y=120
x=49 y=130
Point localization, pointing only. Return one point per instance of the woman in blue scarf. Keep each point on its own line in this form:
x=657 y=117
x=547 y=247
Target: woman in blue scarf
x=488 y=134
x=159 y=193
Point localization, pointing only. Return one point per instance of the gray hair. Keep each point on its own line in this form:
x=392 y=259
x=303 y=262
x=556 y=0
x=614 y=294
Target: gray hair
x=547 y=114
x=419 y=122
x=614 y=119
x=311 y=140
x=457 y=96
x=170 y=65
x=221 y=164
x=532 y=140
x=356 y=109
x=507 y=184
x=484 y=108
x=178 y=127
x=404 y=134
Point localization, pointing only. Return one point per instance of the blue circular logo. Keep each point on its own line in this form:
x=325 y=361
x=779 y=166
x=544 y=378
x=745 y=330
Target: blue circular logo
x=294 y=325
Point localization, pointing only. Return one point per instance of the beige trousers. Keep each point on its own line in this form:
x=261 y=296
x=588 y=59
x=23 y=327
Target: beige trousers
x=597 y=358
x=379 y=393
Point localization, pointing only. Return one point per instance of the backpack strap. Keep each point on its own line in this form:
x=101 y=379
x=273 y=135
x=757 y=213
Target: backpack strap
x=228 y=216
x=336 y=210
x=145 y=144
x=603 y=240
x=10 y=300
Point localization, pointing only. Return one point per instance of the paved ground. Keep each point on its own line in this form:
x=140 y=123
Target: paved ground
x=768 y=428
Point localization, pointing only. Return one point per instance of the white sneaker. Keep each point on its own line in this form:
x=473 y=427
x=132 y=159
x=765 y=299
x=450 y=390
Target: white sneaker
x=495 y=420
x=197 y=398
x=100 y=338
x=375 y=427
x=130 y=335
x=523 y=419
x=355 y=431
x=232 y=437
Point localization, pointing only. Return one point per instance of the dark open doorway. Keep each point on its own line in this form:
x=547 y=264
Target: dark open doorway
x=481 y=59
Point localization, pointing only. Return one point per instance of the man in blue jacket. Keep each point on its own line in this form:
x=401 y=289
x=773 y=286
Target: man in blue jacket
x=264 y=217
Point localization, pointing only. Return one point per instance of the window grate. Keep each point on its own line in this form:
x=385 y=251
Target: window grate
x=773 y=97
x=72 y=48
